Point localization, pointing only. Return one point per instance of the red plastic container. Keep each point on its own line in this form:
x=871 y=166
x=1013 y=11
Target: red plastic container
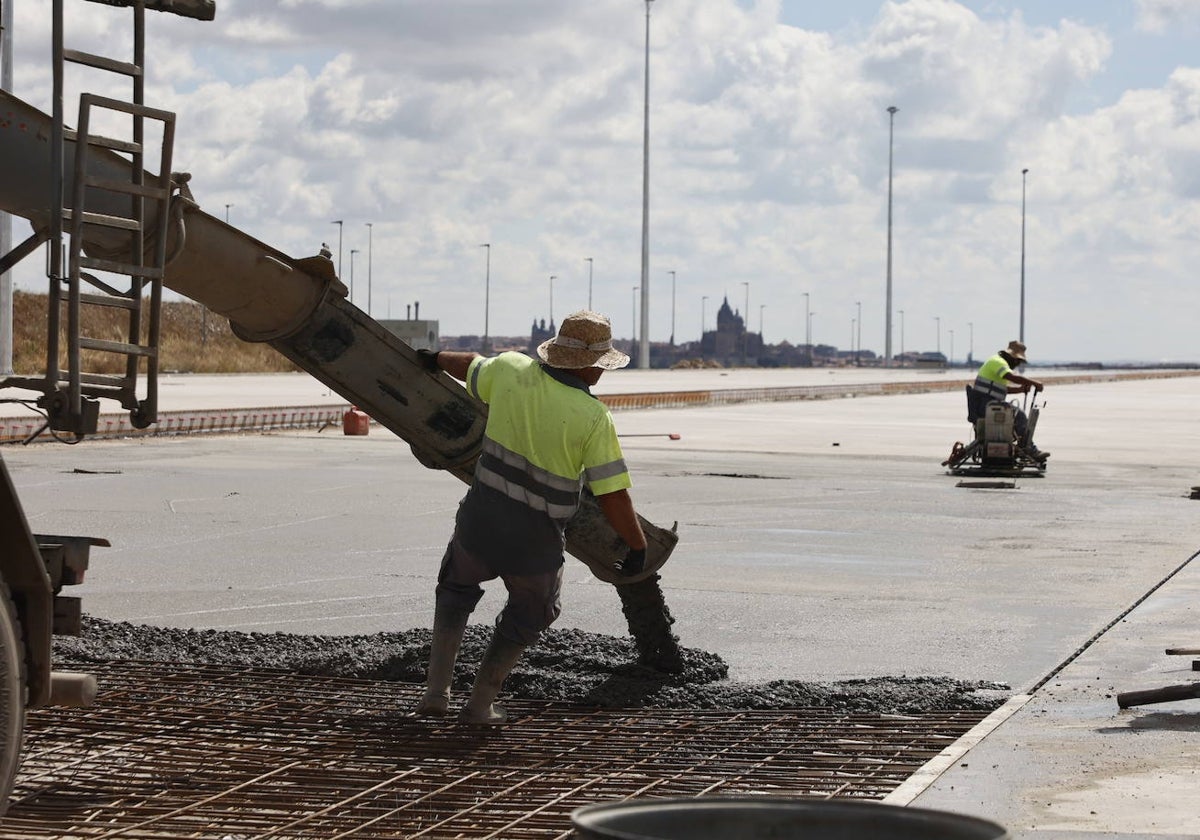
x=355 y=422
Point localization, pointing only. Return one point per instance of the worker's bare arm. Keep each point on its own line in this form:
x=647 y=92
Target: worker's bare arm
x=1020 y=384
x=456 y=362
x=618 y=510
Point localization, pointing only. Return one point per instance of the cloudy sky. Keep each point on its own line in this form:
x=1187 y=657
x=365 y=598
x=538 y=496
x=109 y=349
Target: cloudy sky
x=450 y=123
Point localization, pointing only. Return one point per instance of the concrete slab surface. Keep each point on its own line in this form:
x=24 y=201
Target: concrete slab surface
x=819 y=540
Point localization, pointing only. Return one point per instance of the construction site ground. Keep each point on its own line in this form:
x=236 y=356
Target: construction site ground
x=820 y=540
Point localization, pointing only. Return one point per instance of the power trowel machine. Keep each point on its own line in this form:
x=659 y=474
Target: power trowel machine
x=997 y=449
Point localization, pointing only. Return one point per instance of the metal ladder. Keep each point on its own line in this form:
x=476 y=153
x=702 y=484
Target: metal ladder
x=71 y=394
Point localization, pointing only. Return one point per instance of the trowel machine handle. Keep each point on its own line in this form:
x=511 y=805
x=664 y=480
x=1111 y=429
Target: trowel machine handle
x=1032 y=414
x=1028 y=405
x=1033 y=401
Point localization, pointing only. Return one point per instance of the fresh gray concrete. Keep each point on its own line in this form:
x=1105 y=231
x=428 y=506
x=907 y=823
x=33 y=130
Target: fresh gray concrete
x=819 y=540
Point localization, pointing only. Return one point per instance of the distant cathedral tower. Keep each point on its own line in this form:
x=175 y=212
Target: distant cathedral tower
x=731 y=331
x=538 y=334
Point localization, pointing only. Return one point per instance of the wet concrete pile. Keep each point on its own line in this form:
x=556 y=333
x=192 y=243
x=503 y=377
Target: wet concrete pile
x=566 y=665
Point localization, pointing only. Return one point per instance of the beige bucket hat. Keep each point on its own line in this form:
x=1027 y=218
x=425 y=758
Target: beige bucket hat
x=1017 y=350
x=584 y=340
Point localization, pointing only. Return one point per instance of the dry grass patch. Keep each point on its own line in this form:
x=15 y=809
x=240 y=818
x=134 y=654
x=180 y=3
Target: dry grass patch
x=192 y=340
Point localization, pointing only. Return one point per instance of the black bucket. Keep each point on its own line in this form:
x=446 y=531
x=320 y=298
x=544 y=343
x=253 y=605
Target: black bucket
x=773 y=818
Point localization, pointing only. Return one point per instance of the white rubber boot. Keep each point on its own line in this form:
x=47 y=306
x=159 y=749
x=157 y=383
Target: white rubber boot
x=502 y=654
x=448 y=628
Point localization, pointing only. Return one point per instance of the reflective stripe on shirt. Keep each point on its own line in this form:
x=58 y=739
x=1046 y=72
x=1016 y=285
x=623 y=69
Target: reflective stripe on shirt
x=513 y=475
x=610 y=470
x=993 y=391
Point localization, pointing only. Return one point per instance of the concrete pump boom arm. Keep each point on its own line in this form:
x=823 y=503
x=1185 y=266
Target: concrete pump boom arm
x=196 y=9
x=299 y=307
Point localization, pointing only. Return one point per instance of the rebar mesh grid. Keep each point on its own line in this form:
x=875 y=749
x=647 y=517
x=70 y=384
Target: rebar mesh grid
x=175 y=751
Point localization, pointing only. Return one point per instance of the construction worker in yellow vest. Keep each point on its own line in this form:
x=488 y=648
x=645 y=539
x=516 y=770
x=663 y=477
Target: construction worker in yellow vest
x=997 y=379
x=546 y=436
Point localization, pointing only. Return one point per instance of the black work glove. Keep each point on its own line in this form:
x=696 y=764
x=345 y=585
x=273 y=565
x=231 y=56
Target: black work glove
x=634 y=562
x=428 y=359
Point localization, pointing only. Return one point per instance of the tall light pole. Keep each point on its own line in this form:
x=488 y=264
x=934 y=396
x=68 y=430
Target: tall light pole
x=487 y=296
x=858 y=341
x=746 y=326
x=588 y=260
x=672 y=273
x=370 y=232
x=1021 y=332
x=938 y=320
x=887 y=340
x=353 y=251
x=341 y=226
x=552 y=276
x=644 y=354
x=807 y=331
x=634 y=320
x=227 y=206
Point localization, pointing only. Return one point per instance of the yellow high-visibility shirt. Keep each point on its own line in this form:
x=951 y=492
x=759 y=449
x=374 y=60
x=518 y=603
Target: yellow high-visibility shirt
x=545 y=436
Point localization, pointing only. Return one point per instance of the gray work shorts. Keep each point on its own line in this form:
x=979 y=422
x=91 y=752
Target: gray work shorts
x=533 y=600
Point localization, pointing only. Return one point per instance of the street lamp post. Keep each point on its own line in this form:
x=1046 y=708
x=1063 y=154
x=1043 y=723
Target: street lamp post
x=341 y=226
x=807 y=331
x=588 y=260
x=634 y=320
x=887 y=342
x=353 y=251
x=227 y=206
x=370 y=232
x=858 y=341
x=1021 y=331
x=672 y=273
x=487 y=296
x=644 y=355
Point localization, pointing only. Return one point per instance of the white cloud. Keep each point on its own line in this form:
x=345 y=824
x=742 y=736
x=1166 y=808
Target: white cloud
x=1163 y=15
x=520 y=124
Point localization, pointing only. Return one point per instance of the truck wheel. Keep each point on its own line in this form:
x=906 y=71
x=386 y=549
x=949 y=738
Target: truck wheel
x=12 y=695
